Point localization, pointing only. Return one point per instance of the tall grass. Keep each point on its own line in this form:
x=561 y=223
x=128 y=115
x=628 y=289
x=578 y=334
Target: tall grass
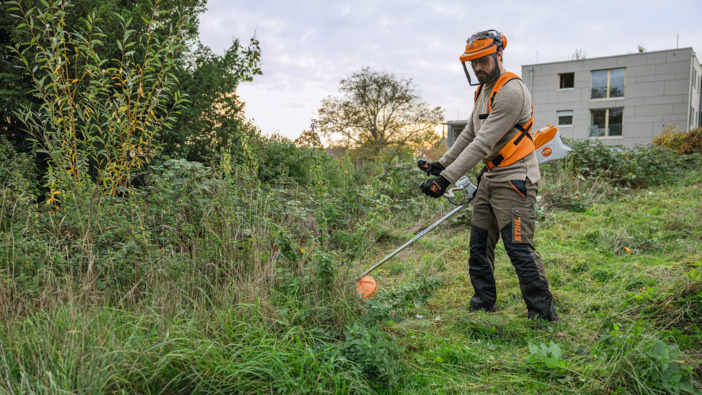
x=206 y=280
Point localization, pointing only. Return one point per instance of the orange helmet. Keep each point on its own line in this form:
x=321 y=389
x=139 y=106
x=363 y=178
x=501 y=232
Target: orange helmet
x=482 y=44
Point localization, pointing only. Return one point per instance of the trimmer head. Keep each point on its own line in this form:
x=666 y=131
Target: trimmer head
x=366 y=287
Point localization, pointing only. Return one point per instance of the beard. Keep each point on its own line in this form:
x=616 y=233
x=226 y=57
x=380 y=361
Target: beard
x=486 y=78
x=482 y=77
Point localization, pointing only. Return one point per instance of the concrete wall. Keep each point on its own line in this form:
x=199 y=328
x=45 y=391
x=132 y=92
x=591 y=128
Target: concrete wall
x=661 y=88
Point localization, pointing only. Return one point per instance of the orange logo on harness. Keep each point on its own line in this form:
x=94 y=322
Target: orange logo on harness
x=547 y=151
x=518 y=229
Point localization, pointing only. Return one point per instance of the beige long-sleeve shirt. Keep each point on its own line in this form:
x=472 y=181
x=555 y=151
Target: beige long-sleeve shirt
x=482 y=139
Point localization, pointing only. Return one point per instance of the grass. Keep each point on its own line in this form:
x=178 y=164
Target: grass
x=625 y=270
x=631 y=261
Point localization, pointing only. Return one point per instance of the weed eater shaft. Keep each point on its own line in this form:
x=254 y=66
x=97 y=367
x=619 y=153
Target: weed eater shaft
x=415 y=238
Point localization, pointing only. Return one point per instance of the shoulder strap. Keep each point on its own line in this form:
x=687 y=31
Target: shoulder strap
x=518 y=147
x=504 y=78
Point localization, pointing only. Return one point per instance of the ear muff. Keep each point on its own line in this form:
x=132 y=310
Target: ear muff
x=500 y=39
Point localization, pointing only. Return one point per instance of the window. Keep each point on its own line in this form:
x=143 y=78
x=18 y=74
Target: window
x=692 y=118
x=607 y=84
x=606 y=122
x=694 y=79
x=565 y=118
x=566 y=81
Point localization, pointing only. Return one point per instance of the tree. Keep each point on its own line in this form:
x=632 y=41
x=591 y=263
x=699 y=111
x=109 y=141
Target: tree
x=213 y=115
x=377 y=112
x=97 y=119
x=579 y=54
x=15 y=83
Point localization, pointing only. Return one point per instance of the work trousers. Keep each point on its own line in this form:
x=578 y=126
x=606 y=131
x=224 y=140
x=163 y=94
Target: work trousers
x=507 y=209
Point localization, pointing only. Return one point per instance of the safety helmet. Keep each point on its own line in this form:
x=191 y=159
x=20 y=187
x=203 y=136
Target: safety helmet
x=483 y=45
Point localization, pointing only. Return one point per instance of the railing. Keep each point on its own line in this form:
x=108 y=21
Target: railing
x=614 y=130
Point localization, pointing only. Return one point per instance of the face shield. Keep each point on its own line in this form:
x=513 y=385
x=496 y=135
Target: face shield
x=481 y=70
x=481 y=53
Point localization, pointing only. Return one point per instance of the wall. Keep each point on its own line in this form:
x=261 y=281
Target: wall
x=658 y=91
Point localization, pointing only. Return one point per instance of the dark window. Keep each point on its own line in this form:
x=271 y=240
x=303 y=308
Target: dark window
x=566 y=80
x=565 y=118
x=607 y=83
x=606 y=122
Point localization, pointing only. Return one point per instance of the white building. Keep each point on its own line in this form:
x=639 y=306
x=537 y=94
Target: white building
x=625 y=99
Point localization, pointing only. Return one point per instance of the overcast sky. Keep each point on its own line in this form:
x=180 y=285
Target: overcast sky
x=309 y=46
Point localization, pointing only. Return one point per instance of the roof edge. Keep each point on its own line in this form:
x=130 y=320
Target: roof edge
x=611 y=56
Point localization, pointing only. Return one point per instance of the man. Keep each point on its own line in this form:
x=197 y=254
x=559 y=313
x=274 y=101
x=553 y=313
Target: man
x=498 y=133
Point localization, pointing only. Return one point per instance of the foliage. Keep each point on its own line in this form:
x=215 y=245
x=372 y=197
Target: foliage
x=684 y=143
x=16 y=169
x=111 y=13
x=376 y=356
x=547 y=356
x=96 y=121
x=651 y=365
x=390 y=305
x=236 y=276
x=378 y=111
x=210 y=120
x=214 y=116
x=280 y=161
x=635 y=167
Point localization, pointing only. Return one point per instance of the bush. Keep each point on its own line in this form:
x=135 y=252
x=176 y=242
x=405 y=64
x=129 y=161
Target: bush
x=636 y=167
x=683 y=143
x=16 y=169
x=97 y=121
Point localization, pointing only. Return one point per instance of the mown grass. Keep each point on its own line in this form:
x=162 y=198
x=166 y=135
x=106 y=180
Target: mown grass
x=626 y=274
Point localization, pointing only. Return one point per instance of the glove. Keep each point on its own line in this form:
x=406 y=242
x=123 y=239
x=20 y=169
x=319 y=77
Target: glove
x=435 y=187
x=431 y=168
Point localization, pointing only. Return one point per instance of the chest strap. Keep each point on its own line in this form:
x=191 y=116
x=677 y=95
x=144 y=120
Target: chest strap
x=519 y=147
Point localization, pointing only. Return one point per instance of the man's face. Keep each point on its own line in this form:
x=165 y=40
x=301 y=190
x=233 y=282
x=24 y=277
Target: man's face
x=483 y=68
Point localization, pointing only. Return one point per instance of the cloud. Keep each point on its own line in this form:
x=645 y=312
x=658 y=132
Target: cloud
x=309 y=46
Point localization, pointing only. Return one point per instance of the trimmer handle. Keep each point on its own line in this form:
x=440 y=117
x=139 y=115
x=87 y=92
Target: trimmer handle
x=464 y=185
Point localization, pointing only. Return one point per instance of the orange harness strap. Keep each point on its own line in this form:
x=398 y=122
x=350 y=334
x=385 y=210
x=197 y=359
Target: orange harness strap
x=519 y=147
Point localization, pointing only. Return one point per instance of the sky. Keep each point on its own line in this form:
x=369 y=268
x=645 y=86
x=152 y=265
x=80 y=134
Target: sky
x=309 y=46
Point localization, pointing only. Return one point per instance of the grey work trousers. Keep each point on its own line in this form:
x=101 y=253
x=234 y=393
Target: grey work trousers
x=507 y=209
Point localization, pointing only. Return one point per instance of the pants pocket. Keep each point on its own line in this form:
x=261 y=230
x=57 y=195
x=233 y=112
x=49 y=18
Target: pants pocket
x=523 y=220
x=519 y=186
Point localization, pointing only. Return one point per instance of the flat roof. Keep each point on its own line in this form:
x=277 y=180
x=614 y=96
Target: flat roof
x=612 y=56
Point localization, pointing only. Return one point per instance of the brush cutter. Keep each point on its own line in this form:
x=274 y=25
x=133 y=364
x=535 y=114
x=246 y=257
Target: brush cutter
x=549 y=147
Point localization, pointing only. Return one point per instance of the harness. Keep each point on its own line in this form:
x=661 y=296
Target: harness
x=517 y=148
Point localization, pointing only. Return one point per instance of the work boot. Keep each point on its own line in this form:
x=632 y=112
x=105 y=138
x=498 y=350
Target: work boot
x=475 y=305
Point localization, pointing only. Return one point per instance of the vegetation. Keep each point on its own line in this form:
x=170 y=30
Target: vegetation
x=235 y=273
x=210 y=117
x=232 y=278
x=377 y=112
x=682 y=142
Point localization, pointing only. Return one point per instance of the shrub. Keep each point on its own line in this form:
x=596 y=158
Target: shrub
x=97 y=119
x=636 y=167
x=16 y=169
x=684 y=143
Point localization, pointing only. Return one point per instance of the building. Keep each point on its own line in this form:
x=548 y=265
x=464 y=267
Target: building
x=453 y=129
x=625 y=99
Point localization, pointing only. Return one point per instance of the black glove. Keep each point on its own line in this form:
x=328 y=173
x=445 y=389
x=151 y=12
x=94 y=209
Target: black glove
x=435 y=187
x=431 y=168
